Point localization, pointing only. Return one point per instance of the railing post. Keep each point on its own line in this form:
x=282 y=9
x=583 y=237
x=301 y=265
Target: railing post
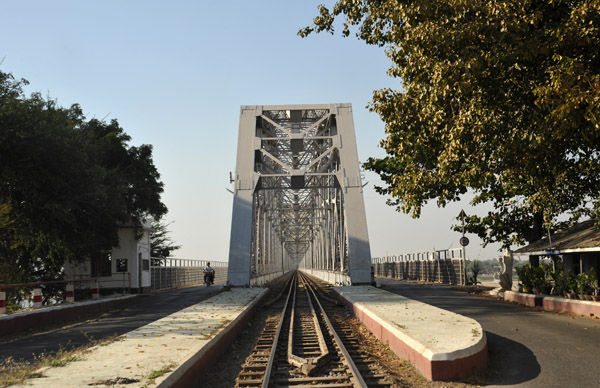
x=95 y=290
x=2 y=302
x=70 y=291
x=37 y=297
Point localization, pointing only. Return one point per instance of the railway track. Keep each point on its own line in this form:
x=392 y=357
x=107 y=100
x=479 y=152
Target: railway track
x=309 y=344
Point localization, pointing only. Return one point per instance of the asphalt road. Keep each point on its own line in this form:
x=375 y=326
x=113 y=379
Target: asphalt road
x=142 y=310
x=527 y=347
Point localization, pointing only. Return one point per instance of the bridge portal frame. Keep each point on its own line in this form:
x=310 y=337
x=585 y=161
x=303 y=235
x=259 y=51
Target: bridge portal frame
x=260 y=245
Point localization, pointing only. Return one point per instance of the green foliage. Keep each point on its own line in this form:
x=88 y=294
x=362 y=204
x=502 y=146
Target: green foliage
x=476 y=268
x=66 y=185
x=584 y=284
x=564 y=281
x=498 y=98
x=523 y=273
x=533 y=278
x=538 y=278
x=161 y=243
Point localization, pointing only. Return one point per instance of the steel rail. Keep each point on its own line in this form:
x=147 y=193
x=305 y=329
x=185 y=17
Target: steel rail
x=357 y=379
x=265 y=383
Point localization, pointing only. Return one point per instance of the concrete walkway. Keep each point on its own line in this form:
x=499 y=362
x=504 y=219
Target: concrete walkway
x=162 y=353
x=441 y=344
x=138 y=311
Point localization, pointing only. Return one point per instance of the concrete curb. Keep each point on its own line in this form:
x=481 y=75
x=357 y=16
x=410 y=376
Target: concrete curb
x=457 y=363
x=583 y=307
x=52 y=315
x=189 y=372
x=554 y=303
x=529 y=300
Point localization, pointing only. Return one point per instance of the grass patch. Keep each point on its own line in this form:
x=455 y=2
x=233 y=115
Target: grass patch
x=16 y=372
x=160 y=372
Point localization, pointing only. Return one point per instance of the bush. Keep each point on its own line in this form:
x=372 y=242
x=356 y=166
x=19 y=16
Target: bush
x=584 y=285
x=524 y=274
x=533 y=278
x=564 y=281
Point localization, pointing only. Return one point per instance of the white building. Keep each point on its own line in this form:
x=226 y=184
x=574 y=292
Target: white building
x=126 y=267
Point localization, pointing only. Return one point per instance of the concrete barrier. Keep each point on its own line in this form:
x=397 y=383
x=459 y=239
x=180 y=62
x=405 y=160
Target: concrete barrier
x=529 y=300
x=554 y=303
x=582 y=307
x=53 y=315
x=442 y=345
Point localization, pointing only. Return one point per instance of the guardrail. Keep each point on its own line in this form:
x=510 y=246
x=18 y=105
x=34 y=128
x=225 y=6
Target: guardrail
x=445 y=266
x=173 y=273
x=34 y=294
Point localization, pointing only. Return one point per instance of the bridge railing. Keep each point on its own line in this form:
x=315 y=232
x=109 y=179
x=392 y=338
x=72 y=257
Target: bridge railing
x=173 y=273
x=445 y=266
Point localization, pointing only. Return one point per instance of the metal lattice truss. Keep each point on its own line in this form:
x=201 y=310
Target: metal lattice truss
x=293 y=186
x=298 y=198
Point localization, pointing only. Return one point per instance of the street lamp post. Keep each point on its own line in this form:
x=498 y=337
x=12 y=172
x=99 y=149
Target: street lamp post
x=464 y=241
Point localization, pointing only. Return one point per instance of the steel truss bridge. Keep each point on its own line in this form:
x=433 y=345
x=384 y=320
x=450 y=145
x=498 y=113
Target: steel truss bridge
x=297 y=196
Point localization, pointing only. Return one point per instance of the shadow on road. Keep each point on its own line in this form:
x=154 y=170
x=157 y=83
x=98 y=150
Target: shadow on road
x=510 y=362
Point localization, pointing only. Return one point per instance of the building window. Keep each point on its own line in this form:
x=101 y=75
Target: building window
x=121 y=265
x=101 y=265
x=146 y=265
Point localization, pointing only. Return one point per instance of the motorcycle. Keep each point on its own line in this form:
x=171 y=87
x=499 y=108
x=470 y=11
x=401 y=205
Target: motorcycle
x=209 y=278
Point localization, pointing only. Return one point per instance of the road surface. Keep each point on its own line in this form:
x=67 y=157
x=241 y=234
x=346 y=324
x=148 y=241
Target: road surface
x=527 y=347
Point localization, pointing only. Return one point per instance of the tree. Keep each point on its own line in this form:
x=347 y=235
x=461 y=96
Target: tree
x=499 y=98
x=161 y=243
x=476 y=269
x=66 y=184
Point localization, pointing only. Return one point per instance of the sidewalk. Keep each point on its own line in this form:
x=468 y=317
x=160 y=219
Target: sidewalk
x=168 y=352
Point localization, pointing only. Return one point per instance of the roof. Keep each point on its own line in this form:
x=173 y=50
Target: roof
x=582 y=237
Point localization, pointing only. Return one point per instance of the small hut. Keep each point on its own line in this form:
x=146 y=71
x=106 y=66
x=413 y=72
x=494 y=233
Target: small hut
x=579 y=247
x=125 y=267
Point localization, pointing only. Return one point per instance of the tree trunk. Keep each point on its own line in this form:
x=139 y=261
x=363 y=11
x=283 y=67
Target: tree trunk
x=535 y=233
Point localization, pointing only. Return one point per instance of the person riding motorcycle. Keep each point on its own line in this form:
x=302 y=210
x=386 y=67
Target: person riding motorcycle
x=209 y=274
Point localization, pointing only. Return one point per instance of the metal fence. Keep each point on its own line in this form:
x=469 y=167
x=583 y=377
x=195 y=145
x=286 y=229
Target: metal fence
x=446 y=266
x=173 y=273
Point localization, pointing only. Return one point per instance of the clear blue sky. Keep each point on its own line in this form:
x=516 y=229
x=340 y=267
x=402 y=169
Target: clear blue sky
x=175 y=73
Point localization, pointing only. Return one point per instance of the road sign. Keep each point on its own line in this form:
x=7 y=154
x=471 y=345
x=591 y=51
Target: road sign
x=464 y=241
